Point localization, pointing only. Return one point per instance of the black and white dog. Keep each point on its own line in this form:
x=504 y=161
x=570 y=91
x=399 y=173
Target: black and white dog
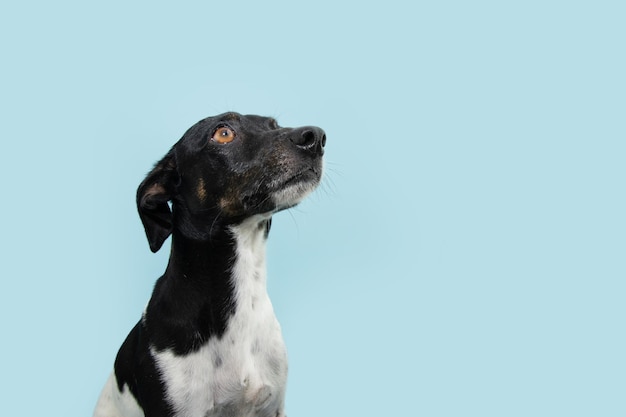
x=208 y=343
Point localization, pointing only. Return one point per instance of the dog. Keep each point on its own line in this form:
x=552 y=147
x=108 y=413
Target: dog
x=208 y=343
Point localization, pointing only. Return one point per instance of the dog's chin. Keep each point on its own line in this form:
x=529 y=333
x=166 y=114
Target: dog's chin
x=295 y=189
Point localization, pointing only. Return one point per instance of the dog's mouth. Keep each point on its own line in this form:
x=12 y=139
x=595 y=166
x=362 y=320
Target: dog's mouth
x=304 y=176
x=295 y=188
x=281 y=193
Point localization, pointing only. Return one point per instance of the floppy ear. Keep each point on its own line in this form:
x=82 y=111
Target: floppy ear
x=153 y=196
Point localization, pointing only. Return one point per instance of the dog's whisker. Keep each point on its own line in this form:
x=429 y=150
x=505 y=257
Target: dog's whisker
x=293 y=218
x=217 y=216
x=335 y=170
x=328 y=185
x=262 y=202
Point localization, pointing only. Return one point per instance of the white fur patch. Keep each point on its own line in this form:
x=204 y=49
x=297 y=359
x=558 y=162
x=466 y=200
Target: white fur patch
x=244 y=372
x=113 y=403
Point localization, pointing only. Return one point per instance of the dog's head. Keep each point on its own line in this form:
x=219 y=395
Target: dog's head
x=225 y=169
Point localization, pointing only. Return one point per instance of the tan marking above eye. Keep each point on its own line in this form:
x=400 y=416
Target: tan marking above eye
x=224 y=134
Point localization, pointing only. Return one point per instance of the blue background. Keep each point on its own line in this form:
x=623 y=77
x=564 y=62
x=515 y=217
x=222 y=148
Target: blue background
x=465 y=255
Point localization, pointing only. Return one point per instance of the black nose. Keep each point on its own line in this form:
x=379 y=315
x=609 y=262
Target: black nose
x=309 y=138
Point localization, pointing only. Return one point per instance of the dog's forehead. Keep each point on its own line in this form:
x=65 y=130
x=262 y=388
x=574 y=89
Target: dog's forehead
x=241 y=119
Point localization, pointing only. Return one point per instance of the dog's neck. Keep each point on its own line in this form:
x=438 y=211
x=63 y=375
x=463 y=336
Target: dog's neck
x=209 y=279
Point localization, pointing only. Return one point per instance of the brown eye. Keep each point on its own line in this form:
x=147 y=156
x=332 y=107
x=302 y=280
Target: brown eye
x=223 y=134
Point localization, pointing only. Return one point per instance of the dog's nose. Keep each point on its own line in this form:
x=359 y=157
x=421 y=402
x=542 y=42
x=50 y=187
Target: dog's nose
x=309 y=138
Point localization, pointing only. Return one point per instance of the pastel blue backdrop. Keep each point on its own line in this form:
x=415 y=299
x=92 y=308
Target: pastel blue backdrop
x=465 y=255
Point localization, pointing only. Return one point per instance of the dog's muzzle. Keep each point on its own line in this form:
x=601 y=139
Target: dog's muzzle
x=291 y=190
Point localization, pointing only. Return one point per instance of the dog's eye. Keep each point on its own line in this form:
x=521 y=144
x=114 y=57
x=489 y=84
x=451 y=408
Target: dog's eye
x=224 y=134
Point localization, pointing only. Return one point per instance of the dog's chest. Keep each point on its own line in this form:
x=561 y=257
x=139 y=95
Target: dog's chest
x=243 y=372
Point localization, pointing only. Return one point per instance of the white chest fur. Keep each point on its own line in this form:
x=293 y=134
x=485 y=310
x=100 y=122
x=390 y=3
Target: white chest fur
x=244 y=372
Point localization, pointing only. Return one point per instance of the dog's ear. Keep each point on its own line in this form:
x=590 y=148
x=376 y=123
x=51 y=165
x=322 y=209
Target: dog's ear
x=153 y=196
